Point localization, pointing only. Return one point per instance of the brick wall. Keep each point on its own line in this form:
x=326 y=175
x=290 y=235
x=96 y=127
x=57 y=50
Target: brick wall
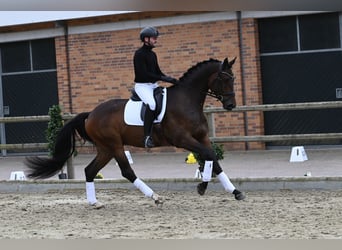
x=101 y=67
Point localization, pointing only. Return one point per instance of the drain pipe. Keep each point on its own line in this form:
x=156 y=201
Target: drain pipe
x=242 y=70
x=67 y=51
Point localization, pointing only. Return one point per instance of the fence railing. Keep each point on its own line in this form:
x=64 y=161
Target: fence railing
x=209 y=112
x=274 y=107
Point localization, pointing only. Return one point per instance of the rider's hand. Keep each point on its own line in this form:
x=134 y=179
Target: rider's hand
x=169 y=79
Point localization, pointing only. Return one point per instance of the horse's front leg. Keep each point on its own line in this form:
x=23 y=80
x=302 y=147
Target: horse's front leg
x=206 y=171
x=128 y=173
x=211 y=165
x=222 y=177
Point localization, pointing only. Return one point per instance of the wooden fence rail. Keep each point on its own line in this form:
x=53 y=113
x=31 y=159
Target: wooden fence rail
x=209 y=112
x=274 y=107
x=280 y=107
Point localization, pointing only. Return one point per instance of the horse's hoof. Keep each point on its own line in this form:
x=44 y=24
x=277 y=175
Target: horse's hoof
x=97 y=205
x=239 y=196
x=159 y=203
x=201 y=189
x=158 y=200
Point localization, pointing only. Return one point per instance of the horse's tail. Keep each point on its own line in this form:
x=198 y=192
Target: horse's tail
x=41 y=168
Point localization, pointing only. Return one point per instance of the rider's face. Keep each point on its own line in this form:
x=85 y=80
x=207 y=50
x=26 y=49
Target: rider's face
x=151 y=41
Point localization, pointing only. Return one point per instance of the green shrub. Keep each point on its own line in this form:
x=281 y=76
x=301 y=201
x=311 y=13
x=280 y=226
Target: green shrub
x=218 y=149
x=99 y=176
x=54 y=125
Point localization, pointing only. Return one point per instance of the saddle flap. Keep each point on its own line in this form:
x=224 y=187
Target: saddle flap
x=158 y=97
x=135 y=110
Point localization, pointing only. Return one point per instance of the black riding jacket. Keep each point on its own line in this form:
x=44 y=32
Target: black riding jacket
x=146 y=66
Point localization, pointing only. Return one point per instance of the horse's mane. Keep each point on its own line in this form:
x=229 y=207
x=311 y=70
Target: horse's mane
x=195 y=68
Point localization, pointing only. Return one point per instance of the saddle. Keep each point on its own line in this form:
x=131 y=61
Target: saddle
x=158 y=97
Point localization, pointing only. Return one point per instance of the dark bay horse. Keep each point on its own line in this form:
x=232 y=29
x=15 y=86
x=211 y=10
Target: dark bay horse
x=184 y=126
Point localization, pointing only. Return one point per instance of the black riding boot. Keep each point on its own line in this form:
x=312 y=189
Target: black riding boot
x=148 y=123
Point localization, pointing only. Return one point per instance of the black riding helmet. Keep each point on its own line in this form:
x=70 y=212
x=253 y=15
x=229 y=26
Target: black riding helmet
x=148 y=32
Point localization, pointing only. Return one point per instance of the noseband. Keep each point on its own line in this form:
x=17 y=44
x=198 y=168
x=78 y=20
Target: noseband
x=221 y=96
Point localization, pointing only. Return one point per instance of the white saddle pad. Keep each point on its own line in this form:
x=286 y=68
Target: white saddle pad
x=133 y=109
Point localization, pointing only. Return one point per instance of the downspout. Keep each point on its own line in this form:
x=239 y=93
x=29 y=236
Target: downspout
x=67 y=51
x=243 y=79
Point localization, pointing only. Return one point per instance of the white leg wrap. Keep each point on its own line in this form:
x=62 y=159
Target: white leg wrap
x=146 y=190
x=226 y=183
x=207 y=171
x=90 y=190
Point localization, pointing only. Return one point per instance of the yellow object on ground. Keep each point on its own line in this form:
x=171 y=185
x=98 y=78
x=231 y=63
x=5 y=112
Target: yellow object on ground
x=190 y=159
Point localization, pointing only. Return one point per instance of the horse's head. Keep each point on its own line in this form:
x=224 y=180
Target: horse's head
x=221 y=85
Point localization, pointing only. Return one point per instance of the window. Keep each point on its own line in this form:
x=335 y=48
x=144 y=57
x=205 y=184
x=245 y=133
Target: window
x=319 y=31
x=15 y=57
x=28 y=56
x=43 y=54
x=277 y=34
x=299 y=33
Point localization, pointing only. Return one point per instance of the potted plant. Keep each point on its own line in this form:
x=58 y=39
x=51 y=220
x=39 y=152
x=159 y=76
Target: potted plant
x=54 y=125
x=219 y=151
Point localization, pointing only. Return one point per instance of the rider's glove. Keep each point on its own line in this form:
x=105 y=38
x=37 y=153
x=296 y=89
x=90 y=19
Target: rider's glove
x=169 y=79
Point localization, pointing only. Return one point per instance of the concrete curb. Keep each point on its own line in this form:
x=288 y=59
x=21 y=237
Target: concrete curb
x=245 y=184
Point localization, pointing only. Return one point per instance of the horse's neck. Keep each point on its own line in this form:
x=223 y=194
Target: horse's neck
x=197 y=87
x=200 y=78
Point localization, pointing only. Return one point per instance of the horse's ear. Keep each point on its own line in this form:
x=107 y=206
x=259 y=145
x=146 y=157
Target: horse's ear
x=232 y=62
x=225 y=64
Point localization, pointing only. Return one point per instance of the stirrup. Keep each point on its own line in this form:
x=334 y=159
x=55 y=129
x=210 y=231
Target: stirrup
x=148 y=142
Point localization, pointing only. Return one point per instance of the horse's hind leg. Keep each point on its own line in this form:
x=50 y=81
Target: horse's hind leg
x=91 y=171
x=128 y=173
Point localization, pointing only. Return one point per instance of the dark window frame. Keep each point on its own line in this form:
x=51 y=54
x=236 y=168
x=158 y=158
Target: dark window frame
x=335 y=42
x=34 y=59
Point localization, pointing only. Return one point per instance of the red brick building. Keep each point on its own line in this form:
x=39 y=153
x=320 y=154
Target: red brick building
x=94 y=57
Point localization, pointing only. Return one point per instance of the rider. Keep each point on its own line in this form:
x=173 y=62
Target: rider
x=147 y=73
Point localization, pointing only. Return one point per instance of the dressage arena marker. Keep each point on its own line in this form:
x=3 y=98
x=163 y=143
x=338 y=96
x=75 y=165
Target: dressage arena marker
x=298 y=154
x=198 y=174
x=17 y=175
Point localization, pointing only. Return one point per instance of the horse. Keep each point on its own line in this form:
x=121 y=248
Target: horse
x=183 y=126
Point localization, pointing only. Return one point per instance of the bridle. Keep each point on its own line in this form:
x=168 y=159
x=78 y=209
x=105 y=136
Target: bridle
x=221 y=96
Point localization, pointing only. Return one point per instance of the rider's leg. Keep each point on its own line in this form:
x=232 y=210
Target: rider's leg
x=148 y=124
x=145 y=92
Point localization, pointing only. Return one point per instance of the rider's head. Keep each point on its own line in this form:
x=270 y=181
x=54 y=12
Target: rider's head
x=149 y=36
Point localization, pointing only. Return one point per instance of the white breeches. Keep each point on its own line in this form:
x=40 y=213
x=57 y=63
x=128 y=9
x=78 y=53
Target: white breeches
x=145 y=92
